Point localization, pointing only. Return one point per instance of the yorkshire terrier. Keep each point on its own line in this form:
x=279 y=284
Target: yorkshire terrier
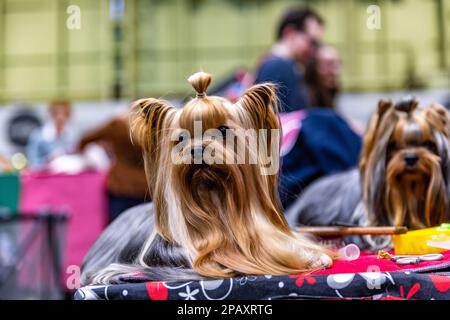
x=215 y=211
x=404 y=174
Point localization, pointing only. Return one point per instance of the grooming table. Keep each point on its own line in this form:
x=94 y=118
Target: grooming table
x=365 y=278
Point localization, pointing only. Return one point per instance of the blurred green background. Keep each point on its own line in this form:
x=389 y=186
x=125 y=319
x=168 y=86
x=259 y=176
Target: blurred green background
x=158 y=43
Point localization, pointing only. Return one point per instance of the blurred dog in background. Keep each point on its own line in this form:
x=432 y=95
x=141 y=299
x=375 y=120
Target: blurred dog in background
x=403 y=177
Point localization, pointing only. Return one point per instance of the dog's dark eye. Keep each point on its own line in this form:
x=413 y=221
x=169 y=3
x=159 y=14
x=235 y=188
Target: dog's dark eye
x=223 y=130
x=430 y=145
x=180 y=138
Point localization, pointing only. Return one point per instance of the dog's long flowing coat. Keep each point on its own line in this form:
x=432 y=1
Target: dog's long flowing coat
x=219 y=219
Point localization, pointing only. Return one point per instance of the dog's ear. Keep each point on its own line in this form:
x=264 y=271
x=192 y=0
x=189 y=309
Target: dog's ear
x=439 y=118
x=372 y=130
x=148 y=118
x=383 y=106
x=260 y=102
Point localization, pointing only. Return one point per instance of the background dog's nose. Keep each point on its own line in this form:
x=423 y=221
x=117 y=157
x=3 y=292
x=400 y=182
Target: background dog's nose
x=411 y=159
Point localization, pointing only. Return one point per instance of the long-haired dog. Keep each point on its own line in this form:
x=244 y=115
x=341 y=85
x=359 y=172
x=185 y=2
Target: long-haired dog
x=208 y=218
x=404 y=177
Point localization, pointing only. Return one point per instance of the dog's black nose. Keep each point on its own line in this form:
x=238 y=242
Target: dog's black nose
x=198 y=150
x=411 y=159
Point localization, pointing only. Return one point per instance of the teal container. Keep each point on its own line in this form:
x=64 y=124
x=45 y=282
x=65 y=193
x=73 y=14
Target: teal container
x=9 y=191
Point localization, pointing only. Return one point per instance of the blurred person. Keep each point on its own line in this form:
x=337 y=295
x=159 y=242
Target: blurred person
x=322 y=77
x=298 y=35
x=321 y=142
x=127 y=185
x=54 y=139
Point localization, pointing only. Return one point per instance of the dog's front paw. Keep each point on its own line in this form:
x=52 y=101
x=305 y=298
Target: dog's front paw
x=322 y=261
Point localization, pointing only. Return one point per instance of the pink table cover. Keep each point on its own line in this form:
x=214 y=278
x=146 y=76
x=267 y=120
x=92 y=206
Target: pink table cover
x=83 y=196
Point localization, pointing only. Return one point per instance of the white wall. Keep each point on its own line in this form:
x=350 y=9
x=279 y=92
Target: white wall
x=87 y=115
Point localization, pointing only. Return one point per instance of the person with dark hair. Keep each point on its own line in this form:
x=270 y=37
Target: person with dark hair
x=324 y=142
x=322 y=77
x=299 y=33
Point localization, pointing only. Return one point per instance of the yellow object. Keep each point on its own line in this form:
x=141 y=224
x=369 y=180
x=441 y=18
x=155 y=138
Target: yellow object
x=415 y=242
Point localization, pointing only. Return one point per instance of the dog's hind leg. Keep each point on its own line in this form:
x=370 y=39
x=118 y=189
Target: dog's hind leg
x=117 y=251
x=121 y=242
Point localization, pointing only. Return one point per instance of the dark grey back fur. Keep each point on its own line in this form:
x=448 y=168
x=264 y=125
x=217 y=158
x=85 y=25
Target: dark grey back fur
x=336 y=200
x=327 y=201
x=120 y=245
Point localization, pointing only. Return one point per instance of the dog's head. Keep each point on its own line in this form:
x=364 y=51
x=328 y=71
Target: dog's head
x=405 y=164
x=212 y=171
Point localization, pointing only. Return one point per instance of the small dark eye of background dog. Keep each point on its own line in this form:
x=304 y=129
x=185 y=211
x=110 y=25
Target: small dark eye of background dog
x=430 y=145
x=223 y=130
x=392 y=147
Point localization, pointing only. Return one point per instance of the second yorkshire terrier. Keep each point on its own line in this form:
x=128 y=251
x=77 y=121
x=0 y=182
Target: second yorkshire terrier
x=208 y=219
x=404 y=173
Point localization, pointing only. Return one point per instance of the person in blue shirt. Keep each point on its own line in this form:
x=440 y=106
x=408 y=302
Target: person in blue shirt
x=326 y=143
x=299 y=34
x=54 y=139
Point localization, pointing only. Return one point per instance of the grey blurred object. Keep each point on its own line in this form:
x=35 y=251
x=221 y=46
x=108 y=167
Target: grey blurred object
x=31 y=251
x=342 y=193
x=335 y=200
x=21 y=123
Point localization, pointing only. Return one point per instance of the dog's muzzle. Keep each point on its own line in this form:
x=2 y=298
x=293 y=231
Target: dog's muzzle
x=411 y=159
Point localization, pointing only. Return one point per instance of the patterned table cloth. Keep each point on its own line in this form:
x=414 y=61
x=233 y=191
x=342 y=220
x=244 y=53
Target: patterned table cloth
x=372 y=285
x=365 y=278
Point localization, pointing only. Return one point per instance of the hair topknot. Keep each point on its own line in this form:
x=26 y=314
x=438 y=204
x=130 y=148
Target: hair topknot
x=200 y=81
